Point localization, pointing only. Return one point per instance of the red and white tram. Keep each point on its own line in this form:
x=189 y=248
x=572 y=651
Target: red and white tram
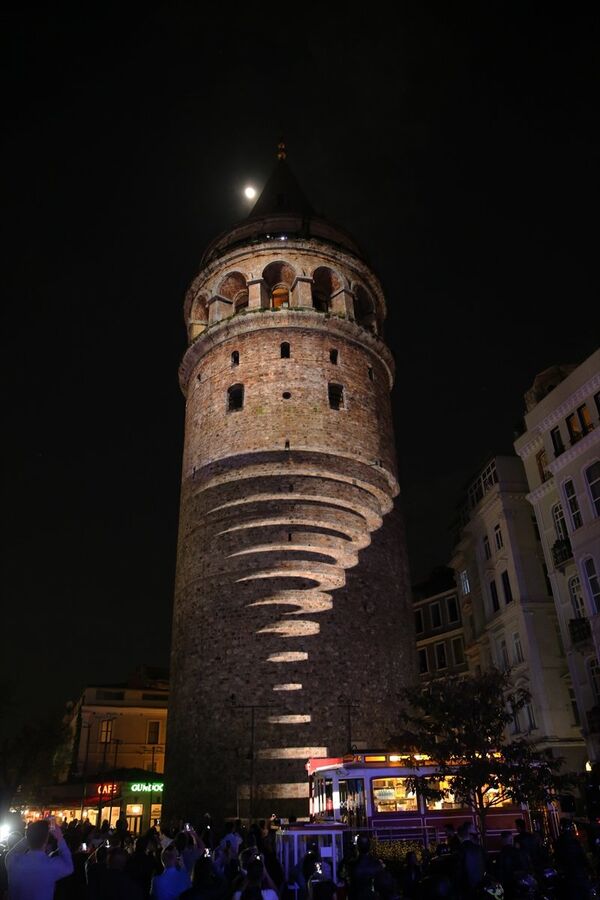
x=371 y=791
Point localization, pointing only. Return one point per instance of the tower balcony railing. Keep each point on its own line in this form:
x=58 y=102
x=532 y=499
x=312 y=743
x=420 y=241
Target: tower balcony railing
x=580 y=631
x=562 y=552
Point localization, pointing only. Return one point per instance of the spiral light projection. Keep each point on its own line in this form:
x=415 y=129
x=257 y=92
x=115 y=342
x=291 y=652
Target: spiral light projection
x=286 y=532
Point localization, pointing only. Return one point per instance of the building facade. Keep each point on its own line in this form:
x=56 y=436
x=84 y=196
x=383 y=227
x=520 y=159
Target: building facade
x=560 y=449
x=112 y=761
x=438 y=627
x=292 y=602
x=508 y=609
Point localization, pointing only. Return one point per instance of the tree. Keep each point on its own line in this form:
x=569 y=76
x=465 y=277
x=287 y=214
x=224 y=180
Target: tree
x=27 y=751
x=461 y=723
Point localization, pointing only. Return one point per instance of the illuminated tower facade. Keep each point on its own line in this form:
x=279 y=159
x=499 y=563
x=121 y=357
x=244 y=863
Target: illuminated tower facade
x=293 y=629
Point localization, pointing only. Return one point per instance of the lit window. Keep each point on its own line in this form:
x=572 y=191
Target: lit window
x=573 y=504
x=560 y=526
x=436 y=615
x=453 y=614
x=494 y=596
x=593 y=479
x=576 y=595
x=393 y=795
x=508 y=597
x=440 y=656
x=593 y=582
x=464 y=583
x=235 y=397
x=487 y=552
x=498 y=537
x=106 y=729
x=336 y=395
x=517 y=648
x=285 y=350
x=280 y=296
x=419 y=621
x=448 y=801
x=153 y=732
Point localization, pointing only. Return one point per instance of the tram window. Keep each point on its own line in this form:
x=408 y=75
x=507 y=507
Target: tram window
x=446 y=802
x=392 y=795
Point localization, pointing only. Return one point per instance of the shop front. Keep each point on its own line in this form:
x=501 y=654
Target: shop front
x=140 y=802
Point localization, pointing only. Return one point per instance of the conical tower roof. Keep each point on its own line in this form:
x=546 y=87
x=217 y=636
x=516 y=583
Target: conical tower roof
x=281 y=193
x=281 y=211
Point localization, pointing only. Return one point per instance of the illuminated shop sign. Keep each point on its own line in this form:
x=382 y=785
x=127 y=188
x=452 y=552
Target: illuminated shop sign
x=146 y=787
x=108 y=790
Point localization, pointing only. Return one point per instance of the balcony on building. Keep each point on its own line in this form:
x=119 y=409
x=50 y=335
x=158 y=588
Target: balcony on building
x=580 y=631
x=562 y=553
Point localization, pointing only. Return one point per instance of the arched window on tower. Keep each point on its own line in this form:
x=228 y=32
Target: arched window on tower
x=285 y=350
x=235 y=397
x=320 y=301
x=235 y=358
x=280 y=296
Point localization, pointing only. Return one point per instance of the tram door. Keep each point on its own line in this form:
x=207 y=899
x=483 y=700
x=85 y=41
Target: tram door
x=352 y=802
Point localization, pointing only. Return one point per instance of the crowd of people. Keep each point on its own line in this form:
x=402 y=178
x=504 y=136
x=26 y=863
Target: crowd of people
x=78 y=861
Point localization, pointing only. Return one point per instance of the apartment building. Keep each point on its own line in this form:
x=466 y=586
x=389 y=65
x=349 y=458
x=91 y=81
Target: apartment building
x=560 y=449
x=507 y=605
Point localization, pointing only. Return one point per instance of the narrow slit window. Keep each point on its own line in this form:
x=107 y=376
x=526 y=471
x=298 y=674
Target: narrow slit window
x=336 y=396
x=287 y=445
x=235 y=397
x=370 y=374
x=333 y=356
x=285 y=350
x=235 y=358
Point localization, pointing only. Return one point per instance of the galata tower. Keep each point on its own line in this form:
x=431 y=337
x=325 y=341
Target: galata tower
x=292 y=628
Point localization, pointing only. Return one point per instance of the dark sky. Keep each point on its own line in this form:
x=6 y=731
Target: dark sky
x=459 y=152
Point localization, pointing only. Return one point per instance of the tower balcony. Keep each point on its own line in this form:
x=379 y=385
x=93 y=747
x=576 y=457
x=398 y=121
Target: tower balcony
x=562 y=553
x=580 y=631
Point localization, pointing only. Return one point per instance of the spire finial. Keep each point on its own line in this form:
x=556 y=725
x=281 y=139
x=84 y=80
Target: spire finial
x=281 y=152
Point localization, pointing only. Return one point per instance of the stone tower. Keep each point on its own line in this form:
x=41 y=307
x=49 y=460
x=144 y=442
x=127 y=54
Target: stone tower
x=292 y=630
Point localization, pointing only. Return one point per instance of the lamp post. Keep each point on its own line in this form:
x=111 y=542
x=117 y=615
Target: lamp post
x=87 y=724
x=252 y=707
x=346 y=704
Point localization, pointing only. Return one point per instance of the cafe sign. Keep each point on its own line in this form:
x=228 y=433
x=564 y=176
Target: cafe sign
x=146 y=787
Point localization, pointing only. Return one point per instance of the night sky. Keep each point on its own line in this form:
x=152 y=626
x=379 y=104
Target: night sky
x=461 y=155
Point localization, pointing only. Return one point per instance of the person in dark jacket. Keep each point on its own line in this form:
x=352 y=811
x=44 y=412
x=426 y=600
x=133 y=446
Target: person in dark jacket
x=363 y=871
x=471 y=863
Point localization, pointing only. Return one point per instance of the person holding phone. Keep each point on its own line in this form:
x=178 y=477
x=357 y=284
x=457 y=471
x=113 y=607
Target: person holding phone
x=32 y=874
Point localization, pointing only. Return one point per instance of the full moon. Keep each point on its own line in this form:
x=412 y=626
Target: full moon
x=250 y=192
